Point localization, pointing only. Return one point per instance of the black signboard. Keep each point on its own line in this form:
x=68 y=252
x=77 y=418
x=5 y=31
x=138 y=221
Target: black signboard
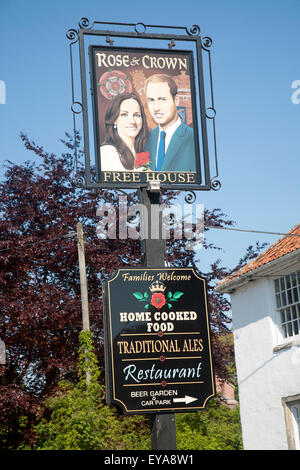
x=157 y=341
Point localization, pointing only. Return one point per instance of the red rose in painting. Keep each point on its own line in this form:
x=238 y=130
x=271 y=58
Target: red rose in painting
x=158 y=300
x=142 y=159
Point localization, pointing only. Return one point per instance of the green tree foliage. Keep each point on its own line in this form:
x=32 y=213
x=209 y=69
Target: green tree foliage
x=215 y=428
x=40 y=316
x=80 y=419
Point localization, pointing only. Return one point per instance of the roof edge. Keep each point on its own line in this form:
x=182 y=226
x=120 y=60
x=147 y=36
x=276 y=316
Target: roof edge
x=269 y=268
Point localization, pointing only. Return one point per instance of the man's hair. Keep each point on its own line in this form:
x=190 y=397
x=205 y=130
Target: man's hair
x=161 y=78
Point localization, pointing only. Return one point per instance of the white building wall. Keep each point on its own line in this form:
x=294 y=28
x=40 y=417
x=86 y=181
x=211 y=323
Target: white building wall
x=264 y=376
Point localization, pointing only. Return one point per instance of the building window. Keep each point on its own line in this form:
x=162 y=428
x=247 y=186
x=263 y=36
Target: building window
x=295 y=410
x=287 y=291
x=291 y=407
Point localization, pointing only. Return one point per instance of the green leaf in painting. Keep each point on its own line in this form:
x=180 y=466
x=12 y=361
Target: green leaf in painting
x=177 y=295
x=138 y=295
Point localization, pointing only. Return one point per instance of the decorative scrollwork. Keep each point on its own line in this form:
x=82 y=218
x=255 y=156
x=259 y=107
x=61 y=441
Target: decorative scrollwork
x=79 y=181
x=190 y=198
x=134 y=220
x=72 y=34
x=122 y=192
x=109 y=41
x=207 y=42
x=169 y=220
x=140 y=28
x=194 y=30
x=215 y=185
x=76 y=107
x=84 y=23
x=130 y=196
x=171 y=44
x=211 y=113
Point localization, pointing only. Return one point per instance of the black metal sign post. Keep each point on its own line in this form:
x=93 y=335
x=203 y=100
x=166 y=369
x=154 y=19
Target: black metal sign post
x=163 y=426
x=181 y=378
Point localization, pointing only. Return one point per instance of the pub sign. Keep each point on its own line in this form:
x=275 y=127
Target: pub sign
x=144 y=116
x=146 y=105
x=157 y=341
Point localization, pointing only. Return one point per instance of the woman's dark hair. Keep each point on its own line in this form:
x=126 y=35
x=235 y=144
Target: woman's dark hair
x=112 y=137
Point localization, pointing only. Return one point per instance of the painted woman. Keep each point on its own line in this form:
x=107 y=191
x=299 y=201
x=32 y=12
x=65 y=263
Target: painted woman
x=126 y=131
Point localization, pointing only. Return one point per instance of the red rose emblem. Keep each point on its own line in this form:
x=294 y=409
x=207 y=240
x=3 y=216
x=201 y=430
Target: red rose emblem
x=158 y=300
x=114 y=83
x=142 y=159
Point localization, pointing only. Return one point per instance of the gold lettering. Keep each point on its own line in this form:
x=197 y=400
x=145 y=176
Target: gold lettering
x=126 y=177
x=101 y=57
x=119 y=60
x=181 y=177
x=157 y=346
x=190 y=178
x=107 y=175
x=138 y=346
x=172 y=177
x=123 y=347
x=136 y=177
x=150 y=176
x=116 y=177
x=162 y=177
x=162 y=62
x=126 y=60
x=200 y=345
x=192 y=345
x=144 y=61
x=182 y=63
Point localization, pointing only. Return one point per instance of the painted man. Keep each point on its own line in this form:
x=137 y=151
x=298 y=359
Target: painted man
x=171 y=144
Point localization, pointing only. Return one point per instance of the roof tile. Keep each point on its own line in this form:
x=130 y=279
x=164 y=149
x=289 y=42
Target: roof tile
x=285 y=245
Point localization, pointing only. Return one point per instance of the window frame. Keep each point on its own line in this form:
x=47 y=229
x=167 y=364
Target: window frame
x=286 y=291
x=293 y=434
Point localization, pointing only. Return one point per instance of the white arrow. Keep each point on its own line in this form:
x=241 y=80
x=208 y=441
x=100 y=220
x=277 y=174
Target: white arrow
x=186 y=399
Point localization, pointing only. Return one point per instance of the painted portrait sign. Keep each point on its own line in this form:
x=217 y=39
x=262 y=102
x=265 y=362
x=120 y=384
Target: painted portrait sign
x=144 y=116
x=157 y=341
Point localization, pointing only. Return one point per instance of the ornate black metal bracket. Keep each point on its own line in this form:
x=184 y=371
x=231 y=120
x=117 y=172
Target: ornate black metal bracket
x=173 y=34
x=109 y=41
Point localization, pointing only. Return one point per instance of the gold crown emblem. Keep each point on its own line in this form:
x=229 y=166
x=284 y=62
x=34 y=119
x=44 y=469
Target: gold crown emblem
x=157 y=286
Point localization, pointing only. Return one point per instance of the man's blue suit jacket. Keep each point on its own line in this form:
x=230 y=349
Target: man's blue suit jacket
x=180 y=155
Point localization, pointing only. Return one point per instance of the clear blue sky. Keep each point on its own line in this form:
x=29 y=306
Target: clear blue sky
x=255 y=60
